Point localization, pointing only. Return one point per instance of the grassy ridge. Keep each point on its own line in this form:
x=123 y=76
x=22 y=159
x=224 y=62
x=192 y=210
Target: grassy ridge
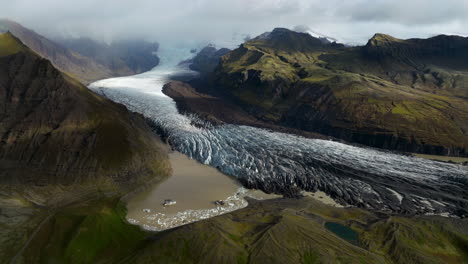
x=9 y=45
x=85 y=234
x=275 y=231
x=421 y=241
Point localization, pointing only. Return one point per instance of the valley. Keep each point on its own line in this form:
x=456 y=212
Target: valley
x=286 y=149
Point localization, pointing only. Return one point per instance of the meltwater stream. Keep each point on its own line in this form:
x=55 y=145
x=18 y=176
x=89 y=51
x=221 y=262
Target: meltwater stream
x=274 y=162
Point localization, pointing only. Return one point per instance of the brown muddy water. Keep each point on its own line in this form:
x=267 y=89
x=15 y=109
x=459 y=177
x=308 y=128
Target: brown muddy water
x=195 y=188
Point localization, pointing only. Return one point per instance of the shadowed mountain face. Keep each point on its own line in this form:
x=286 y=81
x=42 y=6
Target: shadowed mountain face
x=61 y=144
x=54 y=131
x=85 y=59
x=121 y=57
x=81 y=67
x=408 y=95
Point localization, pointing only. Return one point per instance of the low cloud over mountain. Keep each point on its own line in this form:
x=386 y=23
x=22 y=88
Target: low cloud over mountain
x=227 y=20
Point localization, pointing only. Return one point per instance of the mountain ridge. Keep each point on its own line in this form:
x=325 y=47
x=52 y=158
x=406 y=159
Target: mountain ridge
x=85 y=69
x=125 y=58
x=404 y=95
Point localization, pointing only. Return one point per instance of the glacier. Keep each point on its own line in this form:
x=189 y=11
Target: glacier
x=278 y=162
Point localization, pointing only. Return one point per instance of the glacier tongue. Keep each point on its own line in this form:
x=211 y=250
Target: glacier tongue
x=275 y=162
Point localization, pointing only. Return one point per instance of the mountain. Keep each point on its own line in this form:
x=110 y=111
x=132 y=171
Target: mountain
x=207 y=59
x=62 y=145
x=305 y=29
x=57 y=132
x=86 y=59
x=406 y=95
x=83 y=68
x=124 y=57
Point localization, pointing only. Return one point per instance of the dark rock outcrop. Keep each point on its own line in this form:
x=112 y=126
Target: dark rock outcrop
x=207 y=59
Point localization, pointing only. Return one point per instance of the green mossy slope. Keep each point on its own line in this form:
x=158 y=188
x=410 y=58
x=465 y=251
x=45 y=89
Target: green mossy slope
x=273 y=231
x=91 y=232
x=9 y=45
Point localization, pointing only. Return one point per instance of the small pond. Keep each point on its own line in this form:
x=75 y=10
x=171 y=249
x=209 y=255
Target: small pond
x=343 y=232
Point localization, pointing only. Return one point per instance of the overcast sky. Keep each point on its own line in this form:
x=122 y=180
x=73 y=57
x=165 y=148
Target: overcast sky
x=221 y=21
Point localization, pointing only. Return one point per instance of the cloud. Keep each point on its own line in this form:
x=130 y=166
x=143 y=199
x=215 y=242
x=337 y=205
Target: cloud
x=229 y=21
x=410 y=13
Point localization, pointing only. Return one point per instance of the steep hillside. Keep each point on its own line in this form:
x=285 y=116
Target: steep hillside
x=407 y=95
x=55 y=132
x=61 y=144
x=86 y=59
x=81 y=67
